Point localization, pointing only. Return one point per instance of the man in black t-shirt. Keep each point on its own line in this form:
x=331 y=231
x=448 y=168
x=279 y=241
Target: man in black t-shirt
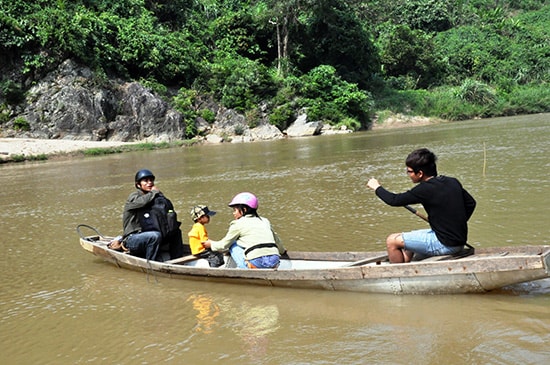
x=447 y=203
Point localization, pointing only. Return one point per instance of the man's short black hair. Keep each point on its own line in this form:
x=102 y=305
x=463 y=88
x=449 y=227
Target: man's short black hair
x=422 y=160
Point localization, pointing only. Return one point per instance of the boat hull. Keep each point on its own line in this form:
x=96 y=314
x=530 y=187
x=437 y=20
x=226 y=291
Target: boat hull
x=367 y=272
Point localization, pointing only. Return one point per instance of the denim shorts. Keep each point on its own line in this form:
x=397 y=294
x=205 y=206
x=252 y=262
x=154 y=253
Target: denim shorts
x=265 y=262
x=425 y=242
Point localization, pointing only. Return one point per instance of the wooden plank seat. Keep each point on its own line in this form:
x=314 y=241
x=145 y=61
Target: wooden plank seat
x=190 y=258
x=182 y=260
x=370 y=260
x=460 y=254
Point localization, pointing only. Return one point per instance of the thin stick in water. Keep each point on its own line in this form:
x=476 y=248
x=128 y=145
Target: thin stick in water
x=484 y=159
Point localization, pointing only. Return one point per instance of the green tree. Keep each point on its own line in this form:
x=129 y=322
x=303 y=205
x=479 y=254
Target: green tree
x=427 y=15
x=334 y=36
x=283 y=17
x=240 y=83
x=513 y=51
x=236 y=33
x=410 y=56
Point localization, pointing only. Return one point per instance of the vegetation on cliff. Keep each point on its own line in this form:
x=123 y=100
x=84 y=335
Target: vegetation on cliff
x=342 y=61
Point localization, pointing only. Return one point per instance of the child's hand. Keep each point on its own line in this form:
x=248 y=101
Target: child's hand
x=206 y=244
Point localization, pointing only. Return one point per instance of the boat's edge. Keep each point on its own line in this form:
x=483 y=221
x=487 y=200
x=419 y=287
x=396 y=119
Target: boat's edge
x=467 y=275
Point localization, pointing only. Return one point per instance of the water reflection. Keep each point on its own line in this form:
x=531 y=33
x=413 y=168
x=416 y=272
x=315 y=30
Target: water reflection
x=252 y=323
x=207 y=312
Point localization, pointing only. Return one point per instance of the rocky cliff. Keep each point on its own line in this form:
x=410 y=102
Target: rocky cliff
x=74 y=103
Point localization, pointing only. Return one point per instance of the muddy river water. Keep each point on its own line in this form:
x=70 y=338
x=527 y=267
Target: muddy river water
x=61 y=305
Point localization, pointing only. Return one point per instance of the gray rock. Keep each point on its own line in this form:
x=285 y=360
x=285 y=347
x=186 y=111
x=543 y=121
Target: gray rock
x=234 y=128
x=213 y=138
x=70 y=103
x=302 y=128
x=328 y=130
x=266 y=132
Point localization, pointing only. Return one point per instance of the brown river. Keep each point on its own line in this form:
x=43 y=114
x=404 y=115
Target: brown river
x=61 y=305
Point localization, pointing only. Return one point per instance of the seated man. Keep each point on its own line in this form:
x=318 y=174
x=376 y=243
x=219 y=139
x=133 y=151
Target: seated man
x=448 y=204
x=150 y=223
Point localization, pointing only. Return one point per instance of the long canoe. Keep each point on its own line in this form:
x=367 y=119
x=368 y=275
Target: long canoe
x=370 y=272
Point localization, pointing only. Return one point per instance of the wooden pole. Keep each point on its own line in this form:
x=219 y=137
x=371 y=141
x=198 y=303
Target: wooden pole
x=484 y=159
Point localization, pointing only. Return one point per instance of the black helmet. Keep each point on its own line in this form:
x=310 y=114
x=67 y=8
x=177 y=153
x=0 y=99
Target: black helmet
x=142 y=174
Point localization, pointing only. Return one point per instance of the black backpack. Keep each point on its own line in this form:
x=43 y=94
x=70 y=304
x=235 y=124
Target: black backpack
x=161 y=216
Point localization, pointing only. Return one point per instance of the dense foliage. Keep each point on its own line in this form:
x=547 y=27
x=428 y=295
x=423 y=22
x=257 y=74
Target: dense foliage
x=342 y=60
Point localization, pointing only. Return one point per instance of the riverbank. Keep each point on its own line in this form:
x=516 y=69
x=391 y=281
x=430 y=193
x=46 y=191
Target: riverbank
x=22 y=149
x=18 y=149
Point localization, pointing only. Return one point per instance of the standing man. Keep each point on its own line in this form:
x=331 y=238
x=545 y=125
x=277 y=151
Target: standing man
x=447 y=203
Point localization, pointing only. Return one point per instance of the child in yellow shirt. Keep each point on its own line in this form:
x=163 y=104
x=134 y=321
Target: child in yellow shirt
x=197 y=235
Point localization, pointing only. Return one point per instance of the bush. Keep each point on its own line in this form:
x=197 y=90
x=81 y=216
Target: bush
x=207 y=115
x=476 y=92
x=154 y=86
x=4 y=114
x=281 y=116
x=184 y=102
x=329 y=98
x=409 y=57
x=21 y=124
x=239 y=129
x=12 y=92
x=430 y=15
x=441 y=102
x=350 y=123
x=240 y=83
x=190 y=129
x=332 y=34
x=528 y=99
x=252 y=117
x=504 y=52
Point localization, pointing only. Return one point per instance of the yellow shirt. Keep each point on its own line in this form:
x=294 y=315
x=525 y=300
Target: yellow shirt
x=197 y=235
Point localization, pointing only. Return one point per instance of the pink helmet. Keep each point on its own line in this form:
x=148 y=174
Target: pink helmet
x=246 y=199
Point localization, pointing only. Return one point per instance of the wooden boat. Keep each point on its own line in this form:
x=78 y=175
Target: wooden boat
x=485 y=270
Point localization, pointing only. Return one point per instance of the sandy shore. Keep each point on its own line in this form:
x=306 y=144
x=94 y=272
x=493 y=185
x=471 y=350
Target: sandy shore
x=35 y=147
x=50 y=147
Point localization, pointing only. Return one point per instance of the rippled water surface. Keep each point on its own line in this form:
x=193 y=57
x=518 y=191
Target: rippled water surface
x=61 y=305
